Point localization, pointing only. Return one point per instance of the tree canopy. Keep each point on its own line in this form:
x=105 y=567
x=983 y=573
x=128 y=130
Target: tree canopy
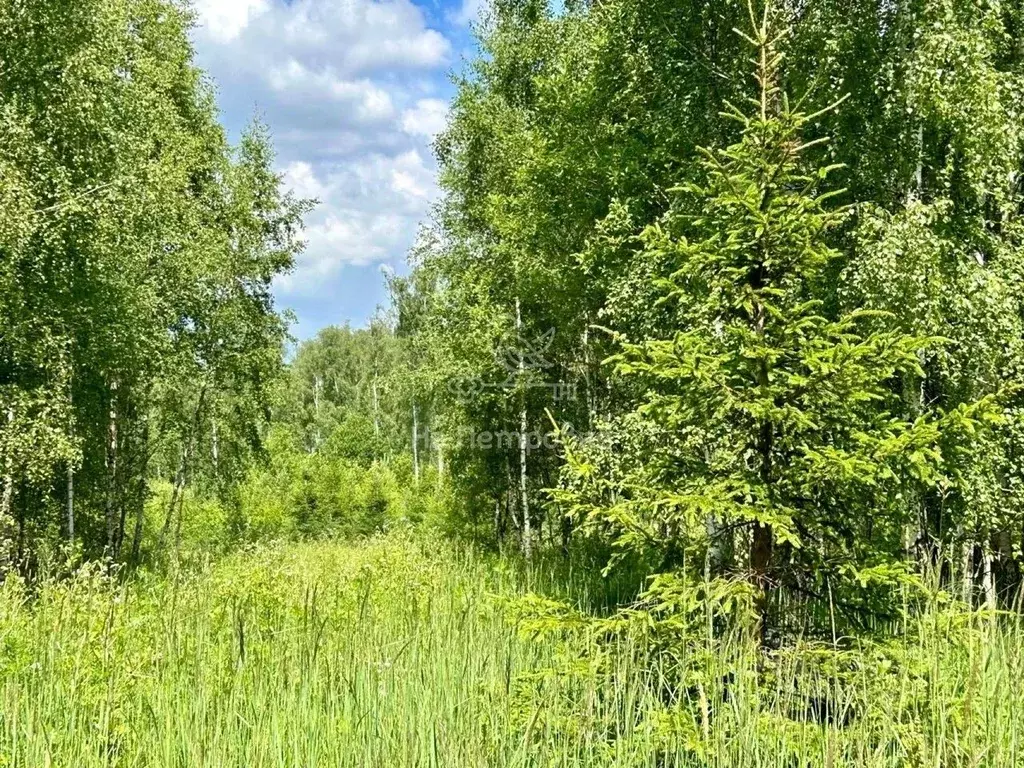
x=138 y=334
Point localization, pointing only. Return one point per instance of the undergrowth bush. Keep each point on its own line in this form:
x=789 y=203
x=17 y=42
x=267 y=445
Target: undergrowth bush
x=296 y=494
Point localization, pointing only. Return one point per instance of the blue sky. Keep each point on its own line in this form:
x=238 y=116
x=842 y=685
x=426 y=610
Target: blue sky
x=353 y=92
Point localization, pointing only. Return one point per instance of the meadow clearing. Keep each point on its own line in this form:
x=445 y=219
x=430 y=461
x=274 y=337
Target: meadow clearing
x=404 y=651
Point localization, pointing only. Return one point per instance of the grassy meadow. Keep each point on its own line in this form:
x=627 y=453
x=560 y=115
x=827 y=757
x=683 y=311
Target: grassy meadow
x=402 y=651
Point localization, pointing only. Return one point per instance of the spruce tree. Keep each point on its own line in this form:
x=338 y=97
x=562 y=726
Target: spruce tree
x=766 y=433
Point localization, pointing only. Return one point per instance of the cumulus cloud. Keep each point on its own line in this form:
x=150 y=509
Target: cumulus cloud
x=352 y=36
x=369 y=214
x=470 y=11
x=301 y=179
x=427 y=118
x=331 y=76
x=353 y=93
x=224 y=20
x=365 y=101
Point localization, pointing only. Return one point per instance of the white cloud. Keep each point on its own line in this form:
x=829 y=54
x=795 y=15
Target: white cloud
x=470 y=11
x=224 y=20
x=351 y=92
x=301 y=179
x=370 y=211
x=332 y=77
x=352 y=36
x=294 y=82
x=427 y=118
x=411 y=178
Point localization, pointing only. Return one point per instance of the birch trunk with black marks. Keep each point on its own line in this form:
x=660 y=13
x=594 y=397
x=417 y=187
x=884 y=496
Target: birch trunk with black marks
x=70 y=502
x=376 y=408
x=317 y=385
x=523 y=425
x=989 y=578
x=439 y=449
x=7 y=523
x=215 y=445
x=415 y=443
x=111 y=500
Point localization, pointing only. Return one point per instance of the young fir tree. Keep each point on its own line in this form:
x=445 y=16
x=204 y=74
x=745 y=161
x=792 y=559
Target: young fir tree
x=765 y=437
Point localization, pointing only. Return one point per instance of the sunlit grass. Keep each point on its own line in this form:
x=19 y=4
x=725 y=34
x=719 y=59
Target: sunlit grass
x=398 y=652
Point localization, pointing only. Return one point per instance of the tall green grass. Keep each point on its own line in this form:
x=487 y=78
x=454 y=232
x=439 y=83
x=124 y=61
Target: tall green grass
x=402 y=652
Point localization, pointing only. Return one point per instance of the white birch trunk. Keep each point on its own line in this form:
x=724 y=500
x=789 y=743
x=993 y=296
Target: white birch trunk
x=317 y=384
x=71 y=502
x=415 y=443
x=523 y=425
x=376 y=408
x=440 y=464
x=110 y=511
x=988 y=575
x=216 y=445
x=6 y=502
x=967 y=587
